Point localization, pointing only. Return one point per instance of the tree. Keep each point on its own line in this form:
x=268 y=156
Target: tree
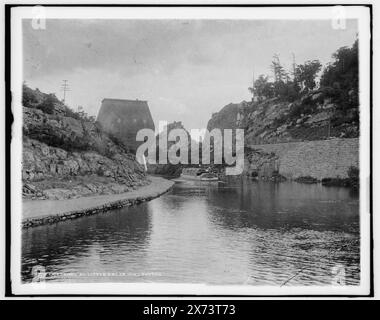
x=28 y=97
x=262 y=88
x=48 y=105
x=343 y=75
x=306 y=73
x=279 y=73
x=283 y=86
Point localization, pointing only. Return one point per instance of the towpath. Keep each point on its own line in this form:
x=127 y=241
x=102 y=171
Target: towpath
x=42 y=209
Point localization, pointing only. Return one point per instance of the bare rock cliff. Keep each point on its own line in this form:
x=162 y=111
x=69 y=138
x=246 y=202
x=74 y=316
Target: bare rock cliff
x=319 y=135
x=66 y=155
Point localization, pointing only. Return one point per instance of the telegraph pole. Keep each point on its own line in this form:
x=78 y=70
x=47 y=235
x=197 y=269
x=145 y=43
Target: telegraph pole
x=294 y=66
x=65 y=87
x=253 y=85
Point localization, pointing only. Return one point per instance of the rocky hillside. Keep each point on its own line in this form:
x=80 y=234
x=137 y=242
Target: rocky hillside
x=293 y=107
x=312 y=117
x=66 y=154
x=228 y=117
x=173 y=170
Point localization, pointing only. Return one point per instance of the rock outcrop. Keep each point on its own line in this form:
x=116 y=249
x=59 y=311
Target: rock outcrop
x=312 y=117
x=54 y=173
x=309 y=137
x=230 y=117
x=173 y=170
x=67 y=155
x=124 y=118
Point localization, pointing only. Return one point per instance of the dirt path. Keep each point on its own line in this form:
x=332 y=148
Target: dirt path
x=36 y=212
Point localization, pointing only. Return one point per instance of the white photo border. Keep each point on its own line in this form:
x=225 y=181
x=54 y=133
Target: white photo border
x=360 y=12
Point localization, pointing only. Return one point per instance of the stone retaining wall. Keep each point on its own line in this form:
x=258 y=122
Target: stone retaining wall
x=318 y=159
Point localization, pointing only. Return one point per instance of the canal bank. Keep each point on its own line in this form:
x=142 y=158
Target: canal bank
x=242 y=232
x=39 y=212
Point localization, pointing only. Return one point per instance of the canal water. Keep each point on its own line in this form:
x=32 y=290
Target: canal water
x=240 y=232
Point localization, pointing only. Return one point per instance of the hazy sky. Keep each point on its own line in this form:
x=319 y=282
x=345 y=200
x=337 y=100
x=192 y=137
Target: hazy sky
x=186 y=69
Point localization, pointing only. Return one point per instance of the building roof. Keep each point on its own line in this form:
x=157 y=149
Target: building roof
x=125 y=100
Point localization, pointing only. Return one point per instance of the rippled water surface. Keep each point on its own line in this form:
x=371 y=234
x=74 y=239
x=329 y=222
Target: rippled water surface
x=243 y=232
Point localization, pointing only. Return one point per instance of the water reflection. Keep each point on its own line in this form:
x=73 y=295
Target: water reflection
x=88 y=242
x=284 y=206
x=240 y=232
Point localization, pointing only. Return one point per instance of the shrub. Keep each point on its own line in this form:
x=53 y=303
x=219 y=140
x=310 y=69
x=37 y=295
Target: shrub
x=306 y=179
x=353 y=172
x=254 y=174
x=29 y=99
x=71 y=114
x=47 y=106
x=352 y=181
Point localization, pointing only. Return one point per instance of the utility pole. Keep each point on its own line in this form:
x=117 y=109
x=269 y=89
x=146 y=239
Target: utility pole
x=65 y=87
x=294 y=66
x=275 y=66
x=253 y=85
